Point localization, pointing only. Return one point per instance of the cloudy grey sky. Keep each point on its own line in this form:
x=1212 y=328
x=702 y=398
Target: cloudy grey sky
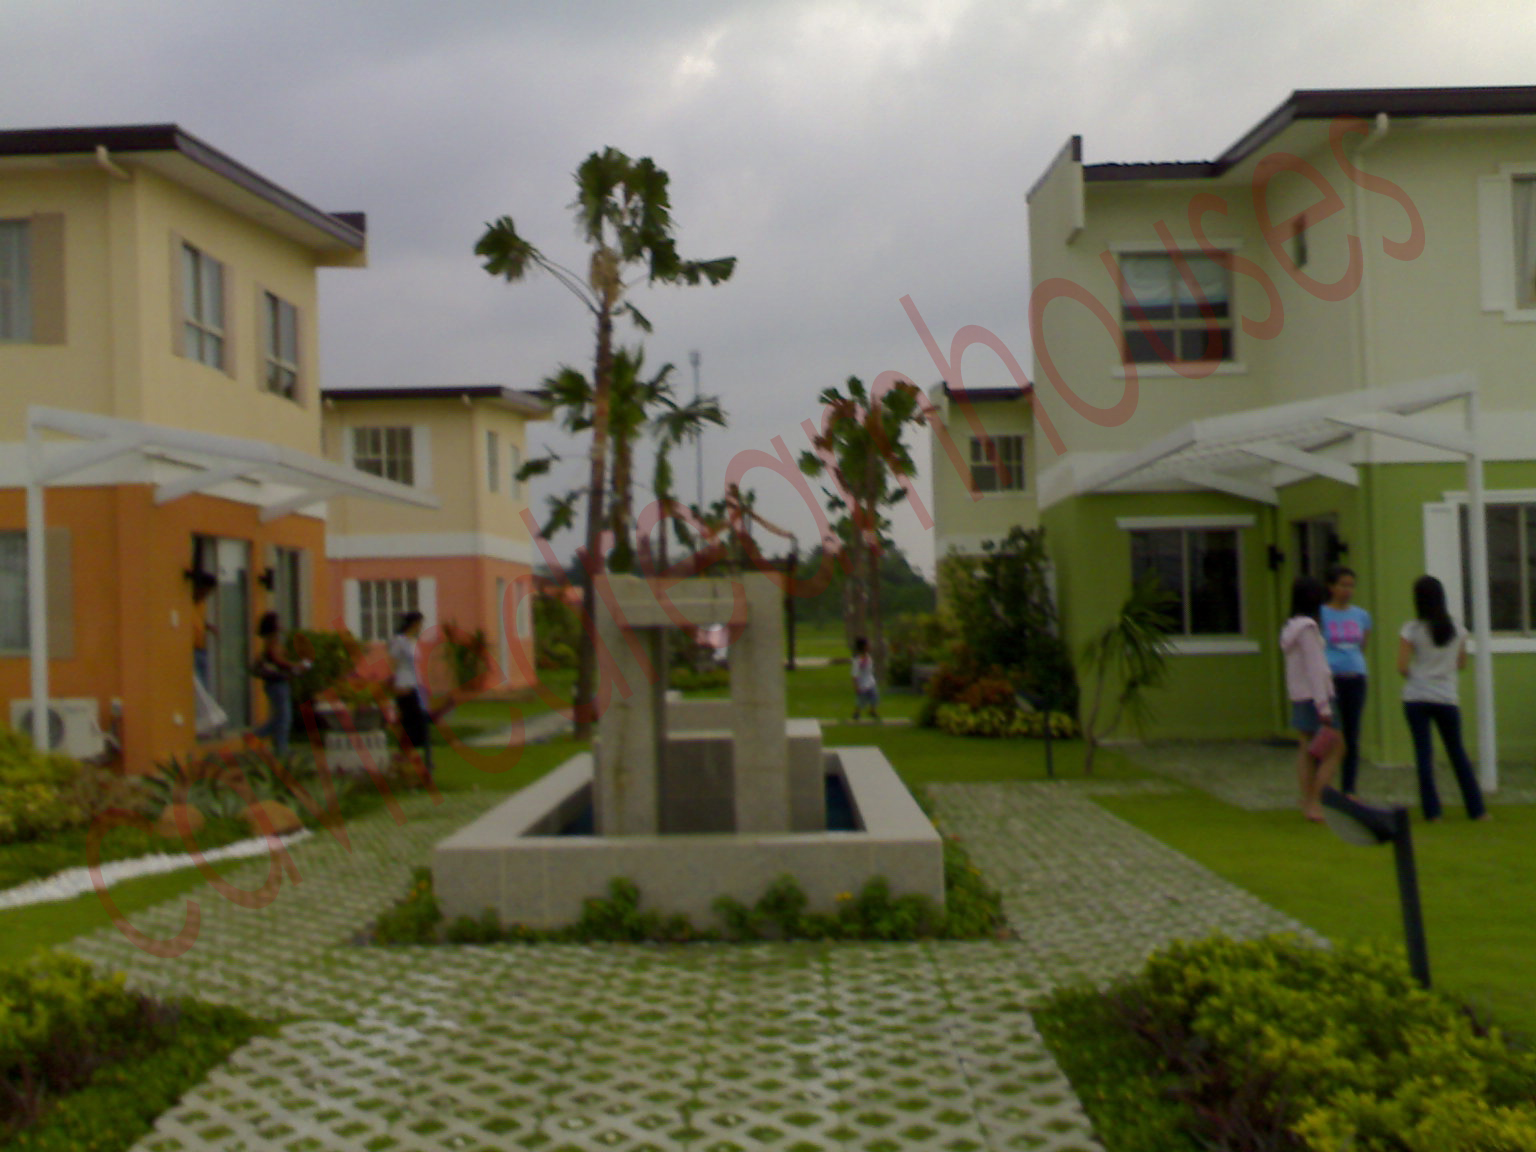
x=849 y=152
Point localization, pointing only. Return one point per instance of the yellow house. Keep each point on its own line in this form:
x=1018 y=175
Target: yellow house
x=467 y=564
x=157 y=299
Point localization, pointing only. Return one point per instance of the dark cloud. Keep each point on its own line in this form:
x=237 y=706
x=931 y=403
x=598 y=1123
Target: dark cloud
x=848 y=153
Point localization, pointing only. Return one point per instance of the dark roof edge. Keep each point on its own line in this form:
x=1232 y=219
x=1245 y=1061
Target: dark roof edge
x=1325 y=104
x=1012 y=392
x=511 y=396
x=343 y=228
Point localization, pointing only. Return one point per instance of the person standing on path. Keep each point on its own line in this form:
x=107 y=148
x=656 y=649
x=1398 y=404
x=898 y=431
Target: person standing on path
x=410 y=693
x=1310 y=688
x=1430 y=653
x=276 y=673
x=866 y=691
x=1346 y=628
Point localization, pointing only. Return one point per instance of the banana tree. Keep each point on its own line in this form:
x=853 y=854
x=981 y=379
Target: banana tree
x=623 y=212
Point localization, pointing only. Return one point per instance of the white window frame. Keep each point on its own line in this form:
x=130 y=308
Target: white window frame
x=1016 y=470
x=1443 y=559
x=492 y=460
x=16 y=284
x=1157 y=367
x=278 y=361
x=1496 y=241
x=385 y=450
x=1204 y=643
x=204 y=327
x=381 y=603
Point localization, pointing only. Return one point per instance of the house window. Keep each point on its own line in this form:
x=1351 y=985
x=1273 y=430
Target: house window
x=1523 y=194
x=1163 y=320
x=288 y=586
x=385 y=452
x=1003 y=471
x=202 y=290
x=381 y=603
x=282 y=346
x=1200 y=569
x=525 y=613
x=514 y=484
x=15 y=280
x=1511 y=567
x=14 y=631
x=492 y=461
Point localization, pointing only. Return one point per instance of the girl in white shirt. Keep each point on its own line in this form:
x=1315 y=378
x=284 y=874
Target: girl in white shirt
x=1430 y=653
x=410 y=695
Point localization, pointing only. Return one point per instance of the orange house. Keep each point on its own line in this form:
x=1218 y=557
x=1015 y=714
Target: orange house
x=162 y=411
x=468 y=563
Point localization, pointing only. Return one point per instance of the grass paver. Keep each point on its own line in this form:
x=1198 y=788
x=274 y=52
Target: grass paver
x=745 y=1048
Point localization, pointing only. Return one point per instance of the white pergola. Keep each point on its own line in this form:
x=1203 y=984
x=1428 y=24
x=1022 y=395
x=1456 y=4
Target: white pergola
x=205 y=462
x=1253 y=454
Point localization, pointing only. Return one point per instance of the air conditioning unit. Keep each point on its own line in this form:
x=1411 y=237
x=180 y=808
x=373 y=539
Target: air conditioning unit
x=72 y=726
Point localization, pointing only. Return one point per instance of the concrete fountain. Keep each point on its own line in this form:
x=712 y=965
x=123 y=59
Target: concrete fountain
x=695 y=799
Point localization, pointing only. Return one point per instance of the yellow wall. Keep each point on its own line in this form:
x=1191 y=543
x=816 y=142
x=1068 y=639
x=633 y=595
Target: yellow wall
x=78 y=373
x=960 y=520
x=120 y=273
x=457 y=450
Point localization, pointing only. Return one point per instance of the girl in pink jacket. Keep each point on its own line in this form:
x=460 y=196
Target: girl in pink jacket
x=1309 y=685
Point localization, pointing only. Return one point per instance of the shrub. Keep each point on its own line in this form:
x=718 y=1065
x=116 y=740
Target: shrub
x=972 y=910
x=469 y=654
x=912 y=639
x=85 y=1063
x=990 y=692
x=333 y=658
x=39 y=791
x=556 y=632
x=1276 y=1044
x=705 y=680
x=961 y=720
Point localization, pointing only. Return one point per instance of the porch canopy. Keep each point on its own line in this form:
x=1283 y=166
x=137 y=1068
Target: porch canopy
x=202 y=461
x=1253 y=454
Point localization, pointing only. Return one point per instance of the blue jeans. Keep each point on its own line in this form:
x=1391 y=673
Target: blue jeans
x=279 y=716
x=1447 y=718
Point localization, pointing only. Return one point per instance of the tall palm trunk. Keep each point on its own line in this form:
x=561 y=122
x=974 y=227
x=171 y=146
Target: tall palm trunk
x=623 y=498
x=602 y=380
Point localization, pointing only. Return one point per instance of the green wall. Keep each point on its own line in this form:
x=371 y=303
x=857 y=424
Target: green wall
x=1243 y=696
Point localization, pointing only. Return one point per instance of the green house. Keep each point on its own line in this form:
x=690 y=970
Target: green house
x=1313 y=349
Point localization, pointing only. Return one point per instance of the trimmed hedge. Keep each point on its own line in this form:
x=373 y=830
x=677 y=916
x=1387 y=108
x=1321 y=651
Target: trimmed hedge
x=995 y=721
x=39 y=791
x=87 y=1064
x=1277 y=1044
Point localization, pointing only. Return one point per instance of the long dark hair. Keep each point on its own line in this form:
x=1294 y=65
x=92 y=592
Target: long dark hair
x=271 y=625
x=1429 y=606
x=1308 y=595
x=406 y=620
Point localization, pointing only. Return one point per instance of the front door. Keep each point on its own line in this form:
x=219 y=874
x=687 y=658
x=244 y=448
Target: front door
x=1317 y=545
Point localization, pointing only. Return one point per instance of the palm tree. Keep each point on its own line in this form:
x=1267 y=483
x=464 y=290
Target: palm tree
x=861 y=447
x=623 y=211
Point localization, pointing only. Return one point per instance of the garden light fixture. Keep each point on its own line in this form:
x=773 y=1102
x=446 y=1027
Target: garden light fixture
x=1357 y=823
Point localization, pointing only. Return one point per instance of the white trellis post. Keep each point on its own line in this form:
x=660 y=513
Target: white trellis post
x=1482 y=624
x=37 y=588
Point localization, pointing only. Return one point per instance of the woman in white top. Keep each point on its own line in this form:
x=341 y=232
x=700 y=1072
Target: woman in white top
x=410 y=696
x=1430 y=654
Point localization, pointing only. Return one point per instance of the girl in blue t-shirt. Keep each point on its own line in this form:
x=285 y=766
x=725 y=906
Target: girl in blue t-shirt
x=1346 y=627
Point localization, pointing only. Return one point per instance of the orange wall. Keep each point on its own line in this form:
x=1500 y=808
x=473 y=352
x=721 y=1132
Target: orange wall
x=132 y=603
x=466 y=597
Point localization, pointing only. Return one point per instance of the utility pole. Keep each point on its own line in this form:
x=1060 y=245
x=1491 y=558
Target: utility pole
x=698 y=441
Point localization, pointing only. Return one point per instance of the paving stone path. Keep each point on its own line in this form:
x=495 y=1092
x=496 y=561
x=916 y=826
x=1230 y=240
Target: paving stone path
x=868 y=1048
x=1259 y=776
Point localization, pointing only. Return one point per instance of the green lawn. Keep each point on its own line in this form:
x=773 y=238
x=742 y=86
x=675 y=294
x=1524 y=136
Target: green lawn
x=1477 y=882
x=475 y=717
x=821 y=639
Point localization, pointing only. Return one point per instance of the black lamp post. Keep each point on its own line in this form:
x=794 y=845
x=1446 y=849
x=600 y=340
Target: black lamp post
x=1358 y=823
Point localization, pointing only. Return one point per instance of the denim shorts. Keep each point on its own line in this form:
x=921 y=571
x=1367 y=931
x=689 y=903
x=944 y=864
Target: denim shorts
x=1304 y=717
x=868 y=698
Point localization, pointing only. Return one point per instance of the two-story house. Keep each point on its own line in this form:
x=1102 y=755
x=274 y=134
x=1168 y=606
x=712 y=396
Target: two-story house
x=469 y=563
x=1315 y=348
x=159 y=427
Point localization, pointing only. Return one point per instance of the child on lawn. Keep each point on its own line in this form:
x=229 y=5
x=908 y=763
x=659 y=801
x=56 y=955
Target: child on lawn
x=866 y=692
